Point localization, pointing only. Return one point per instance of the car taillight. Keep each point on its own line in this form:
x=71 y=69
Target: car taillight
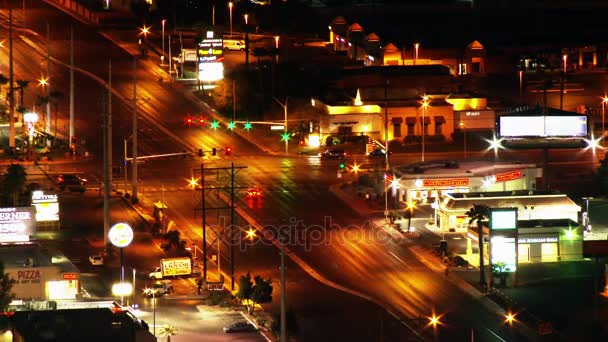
x=60 y=179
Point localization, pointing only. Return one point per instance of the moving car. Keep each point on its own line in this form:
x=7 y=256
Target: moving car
x=234 y=44
x=96 y=260
x=240 y=326
x=379 y=152
x=333 y=154
x=71 y=182
x=161 y=287
x=254 y=193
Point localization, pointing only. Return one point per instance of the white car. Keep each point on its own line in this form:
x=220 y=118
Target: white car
x=96 y=260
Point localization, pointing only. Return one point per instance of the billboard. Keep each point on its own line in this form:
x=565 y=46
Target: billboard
x=17 y=223
x=503 y=219
x=210 y=55
x=543 y=126
x=47 y=206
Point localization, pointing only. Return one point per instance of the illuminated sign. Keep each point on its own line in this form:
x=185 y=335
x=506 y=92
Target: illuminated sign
x=47 y=206
x=120 y=235
x=17 y=223
x=501 y=219
x=508 y=176
x=543 y=126
x=210 y=72
x=70 y=276
x=540 y=239
x=210 y=50
x=445 y=182
x=472 y=113
x=503 y=253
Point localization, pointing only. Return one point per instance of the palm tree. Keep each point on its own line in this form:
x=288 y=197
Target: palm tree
x=22 y=84
x=173 y=239
x=479 y=213
x=167 y=330
x=14 y=182
x=55 y=96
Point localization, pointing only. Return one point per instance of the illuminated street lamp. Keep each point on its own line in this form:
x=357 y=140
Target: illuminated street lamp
x=565 y=59
x=464 y=137
x=416 y=47
x=425 y=105
x=276 y=42
x=355 y=168
x=251 y=233
x=43 y=82
x=193 y=183
x=230 y=4
x=144 y=31
x=246 y=17
x=510 y=318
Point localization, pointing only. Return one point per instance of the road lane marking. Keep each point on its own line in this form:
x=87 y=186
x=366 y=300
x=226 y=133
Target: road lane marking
x=403 y=262
x=255 y=325
x=493 y=333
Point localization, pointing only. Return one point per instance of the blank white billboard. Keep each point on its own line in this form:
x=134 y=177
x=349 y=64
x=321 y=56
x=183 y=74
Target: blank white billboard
x=543 y=126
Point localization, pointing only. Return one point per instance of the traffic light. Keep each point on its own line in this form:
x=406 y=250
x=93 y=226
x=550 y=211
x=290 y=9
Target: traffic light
x=214 y=151
x=228 y=151
x=248 y=125
x=342 y=166
x=200 y=152
x=189 y=121
x=201 y=121
x=285 y=136
x=215 y=124
x=231 y=125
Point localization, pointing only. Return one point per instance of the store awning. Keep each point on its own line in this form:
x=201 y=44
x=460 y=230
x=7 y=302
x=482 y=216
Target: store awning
x=439 y=120
x=397 y=120
x=410 y=121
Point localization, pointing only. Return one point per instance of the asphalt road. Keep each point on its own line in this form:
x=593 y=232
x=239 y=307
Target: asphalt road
x=294 y=188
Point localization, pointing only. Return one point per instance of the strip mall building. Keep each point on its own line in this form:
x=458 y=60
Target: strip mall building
x=427 y=182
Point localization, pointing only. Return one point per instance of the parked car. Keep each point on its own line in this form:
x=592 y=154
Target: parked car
x=71 y=182
x=240 y=326
x=379 y=152
x=333 y=154
x=96 y=260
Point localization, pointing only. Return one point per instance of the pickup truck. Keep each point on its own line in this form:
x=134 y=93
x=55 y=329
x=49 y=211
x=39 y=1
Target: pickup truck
x=172 y=267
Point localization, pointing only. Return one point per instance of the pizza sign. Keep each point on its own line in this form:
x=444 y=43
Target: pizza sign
x=448 y=183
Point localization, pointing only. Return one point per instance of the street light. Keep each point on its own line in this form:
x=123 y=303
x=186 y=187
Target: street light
x=285 y=121
x=246 y=17
x=416 y=47
x=565 y=59
x=144 y=31
x=510 y=318
x=230 y=4
x=425 y=104
x=162 y=59
x=464 y=137
x=276 y=42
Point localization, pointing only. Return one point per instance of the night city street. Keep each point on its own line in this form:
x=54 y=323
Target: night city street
x=303 y=171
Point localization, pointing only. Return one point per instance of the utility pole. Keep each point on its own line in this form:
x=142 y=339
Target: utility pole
x=232 y=223
x=48 y=77
x=110 y=122
x=11 y=96
x=71 y=84
x=203 y=209
x=283 y=299
x=106 y=194
x=386 y=165
x=233 y=100
x=134 y=161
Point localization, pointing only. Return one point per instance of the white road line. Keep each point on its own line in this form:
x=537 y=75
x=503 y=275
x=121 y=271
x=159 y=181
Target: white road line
x=493 y=333
x=255 y=325
x=403 y=262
